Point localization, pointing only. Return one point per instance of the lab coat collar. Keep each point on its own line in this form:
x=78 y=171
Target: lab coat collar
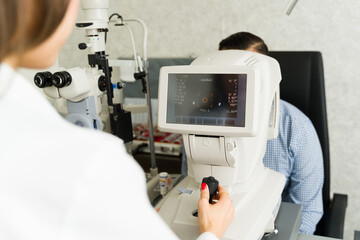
x=7 y=75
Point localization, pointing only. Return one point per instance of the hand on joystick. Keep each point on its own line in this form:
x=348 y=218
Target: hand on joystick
x=212 y=184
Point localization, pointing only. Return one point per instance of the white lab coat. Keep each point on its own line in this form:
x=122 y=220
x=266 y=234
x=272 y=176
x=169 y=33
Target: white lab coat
x=59 y=181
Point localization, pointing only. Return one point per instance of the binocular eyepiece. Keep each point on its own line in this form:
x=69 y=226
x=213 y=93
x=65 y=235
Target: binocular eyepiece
x=61 y=79
x=47 y=79
x=43 y=79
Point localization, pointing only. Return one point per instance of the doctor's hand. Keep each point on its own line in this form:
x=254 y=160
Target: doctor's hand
x=215 y=218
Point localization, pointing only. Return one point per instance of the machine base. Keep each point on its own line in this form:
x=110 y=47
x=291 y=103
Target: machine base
x=255 y=210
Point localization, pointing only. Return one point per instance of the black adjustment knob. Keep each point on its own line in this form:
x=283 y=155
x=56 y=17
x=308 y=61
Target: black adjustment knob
x=213 y=185
x=61 y=79
x=82 y=46
x=43 y=79
x=120 y=85
x=102 y=83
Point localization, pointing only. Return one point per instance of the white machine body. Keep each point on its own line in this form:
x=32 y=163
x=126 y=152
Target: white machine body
x=82 y=95
x=89 y=95
x=95 y=21
x=84 y=84
x=226 y=105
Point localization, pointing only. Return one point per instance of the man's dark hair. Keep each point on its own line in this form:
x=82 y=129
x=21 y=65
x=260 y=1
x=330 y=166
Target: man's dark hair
x=244 y=41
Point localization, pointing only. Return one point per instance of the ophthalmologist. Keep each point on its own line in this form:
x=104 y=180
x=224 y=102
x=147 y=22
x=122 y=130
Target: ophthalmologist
x=57 y=180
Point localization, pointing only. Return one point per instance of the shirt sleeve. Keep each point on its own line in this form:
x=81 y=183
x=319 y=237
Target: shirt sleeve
x=307 y=176
x=111 y=202
x=207 y=236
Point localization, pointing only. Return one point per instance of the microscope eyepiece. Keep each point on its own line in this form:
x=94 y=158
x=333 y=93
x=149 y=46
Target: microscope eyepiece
x=43 y=79
x=61 y=79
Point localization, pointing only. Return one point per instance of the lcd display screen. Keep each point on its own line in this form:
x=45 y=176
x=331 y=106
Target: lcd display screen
x=207 y=99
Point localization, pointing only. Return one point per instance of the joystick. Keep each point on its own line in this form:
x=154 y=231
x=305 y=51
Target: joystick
x=212 y=184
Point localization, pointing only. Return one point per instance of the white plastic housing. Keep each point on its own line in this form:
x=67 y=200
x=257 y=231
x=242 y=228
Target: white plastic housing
x=95 y=12
x=95 y=41
x=79 y=88
x=233 y=158
x=52 y=92
x=126 y=68
x=230 y=154
x=95 y=20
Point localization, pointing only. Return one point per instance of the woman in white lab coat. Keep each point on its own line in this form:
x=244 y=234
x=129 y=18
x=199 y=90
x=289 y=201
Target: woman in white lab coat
x=57 y=180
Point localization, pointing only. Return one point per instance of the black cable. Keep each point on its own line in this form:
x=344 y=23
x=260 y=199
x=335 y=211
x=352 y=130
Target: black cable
x=115 y=14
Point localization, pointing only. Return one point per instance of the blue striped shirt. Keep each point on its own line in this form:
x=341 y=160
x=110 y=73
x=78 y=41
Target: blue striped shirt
x=296 y=153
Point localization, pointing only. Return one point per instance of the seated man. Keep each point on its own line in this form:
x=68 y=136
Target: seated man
x=296 y=152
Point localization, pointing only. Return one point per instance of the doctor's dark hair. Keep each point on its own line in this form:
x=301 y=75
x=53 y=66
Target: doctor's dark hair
x=244 y=41
x=24 y=24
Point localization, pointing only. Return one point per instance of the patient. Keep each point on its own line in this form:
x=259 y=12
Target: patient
x=296 y=152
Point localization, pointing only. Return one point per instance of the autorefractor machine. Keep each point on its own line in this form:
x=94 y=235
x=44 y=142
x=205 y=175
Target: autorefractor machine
x=226 y=105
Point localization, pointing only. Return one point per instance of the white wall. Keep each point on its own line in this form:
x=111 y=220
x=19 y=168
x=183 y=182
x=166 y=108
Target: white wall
x=190 y=28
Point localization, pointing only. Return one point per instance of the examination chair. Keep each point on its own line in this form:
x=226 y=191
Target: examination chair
x=303 y=86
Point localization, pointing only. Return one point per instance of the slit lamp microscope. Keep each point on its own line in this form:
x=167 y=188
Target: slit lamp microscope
x=89 y=92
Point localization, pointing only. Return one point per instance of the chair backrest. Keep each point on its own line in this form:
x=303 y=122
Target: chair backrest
x=303 y=86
